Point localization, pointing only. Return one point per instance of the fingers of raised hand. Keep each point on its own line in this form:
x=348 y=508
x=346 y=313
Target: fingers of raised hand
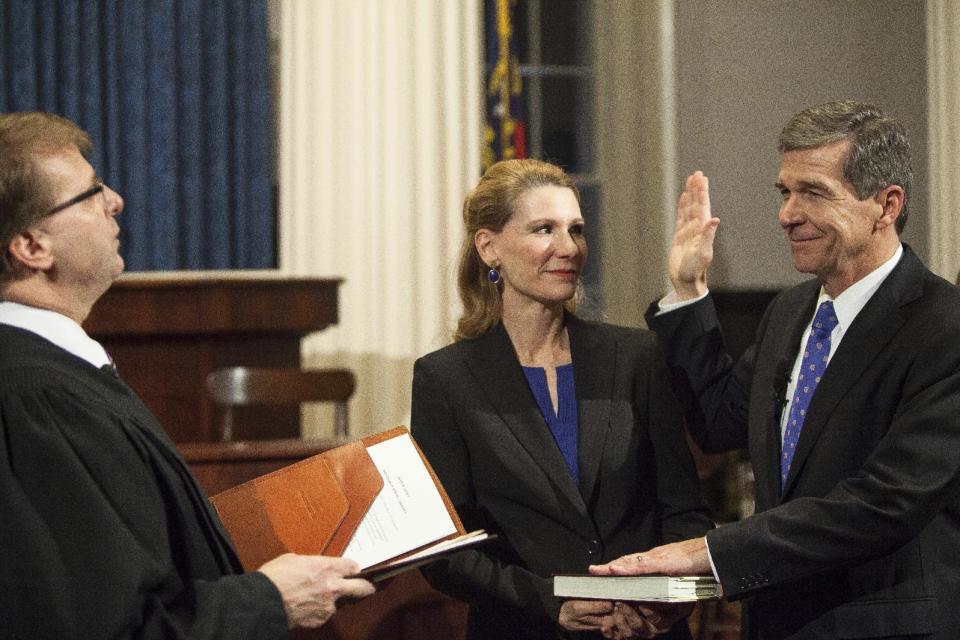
x=694 y=203
x=699 y=187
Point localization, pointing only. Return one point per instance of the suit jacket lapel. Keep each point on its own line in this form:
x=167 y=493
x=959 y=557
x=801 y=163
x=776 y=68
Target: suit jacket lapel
x=875 y=325
x=499 y=374
x=594 y=366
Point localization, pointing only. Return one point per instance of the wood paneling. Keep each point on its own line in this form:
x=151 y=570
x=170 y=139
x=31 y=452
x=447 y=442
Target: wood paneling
x=166 y=332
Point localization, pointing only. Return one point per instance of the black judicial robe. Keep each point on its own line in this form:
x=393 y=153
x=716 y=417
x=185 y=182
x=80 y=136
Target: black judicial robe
x=103 y=531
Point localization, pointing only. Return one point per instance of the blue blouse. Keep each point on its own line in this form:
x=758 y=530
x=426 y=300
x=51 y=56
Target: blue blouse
x=563 y=423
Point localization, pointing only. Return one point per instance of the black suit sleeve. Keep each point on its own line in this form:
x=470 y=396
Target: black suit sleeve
x=682 y=514
x=88 y=548
x=474 y=575
x=693 y=346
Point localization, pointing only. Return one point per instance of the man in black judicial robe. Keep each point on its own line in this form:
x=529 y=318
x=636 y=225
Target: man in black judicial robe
x=103 y=531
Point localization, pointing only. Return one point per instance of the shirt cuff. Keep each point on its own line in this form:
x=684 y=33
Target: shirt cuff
x=670 y=303
x=713 y=567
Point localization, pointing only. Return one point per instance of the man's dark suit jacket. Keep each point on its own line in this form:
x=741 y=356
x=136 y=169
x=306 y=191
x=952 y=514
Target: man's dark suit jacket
x=864 y=540
x=478 y=423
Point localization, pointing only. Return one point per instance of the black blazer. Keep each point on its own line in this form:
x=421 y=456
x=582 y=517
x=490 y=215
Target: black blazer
x=478 y=423
x=864 y=540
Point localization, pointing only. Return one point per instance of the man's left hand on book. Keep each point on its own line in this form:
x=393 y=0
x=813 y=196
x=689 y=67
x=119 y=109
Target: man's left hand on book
x=686 y=558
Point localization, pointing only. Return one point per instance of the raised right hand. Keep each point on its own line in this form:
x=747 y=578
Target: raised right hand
x=311 y=585
x=692 y=250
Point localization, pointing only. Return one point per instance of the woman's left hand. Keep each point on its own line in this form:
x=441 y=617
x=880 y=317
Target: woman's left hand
x=585 y=615
x=644 y=620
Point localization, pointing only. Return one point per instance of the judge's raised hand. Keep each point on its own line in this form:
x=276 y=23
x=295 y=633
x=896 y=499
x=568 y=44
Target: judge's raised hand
x=692 y=250
x=686 y=558
x=311 y=585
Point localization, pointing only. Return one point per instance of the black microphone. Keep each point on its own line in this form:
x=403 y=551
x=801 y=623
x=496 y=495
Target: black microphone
x=781 y=378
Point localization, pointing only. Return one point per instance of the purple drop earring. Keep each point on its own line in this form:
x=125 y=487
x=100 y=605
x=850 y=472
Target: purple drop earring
x=493 y=276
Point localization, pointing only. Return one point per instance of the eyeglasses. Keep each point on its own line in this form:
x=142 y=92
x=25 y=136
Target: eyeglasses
x=89 y=193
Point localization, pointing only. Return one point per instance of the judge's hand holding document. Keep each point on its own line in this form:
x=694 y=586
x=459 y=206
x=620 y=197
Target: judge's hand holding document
x=311 y=586
x=104 y=532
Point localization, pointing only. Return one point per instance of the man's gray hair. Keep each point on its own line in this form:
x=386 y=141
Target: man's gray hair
x=879 y=153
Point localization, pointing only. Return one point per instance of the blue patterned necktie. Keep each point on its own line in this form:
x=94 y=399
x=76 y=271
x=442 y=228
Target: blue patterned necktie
x=812 y=366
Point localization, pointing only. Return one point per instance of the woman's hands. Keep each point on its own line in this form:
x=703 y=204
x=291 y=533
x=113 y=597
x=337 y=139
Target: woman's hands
x=622 y=620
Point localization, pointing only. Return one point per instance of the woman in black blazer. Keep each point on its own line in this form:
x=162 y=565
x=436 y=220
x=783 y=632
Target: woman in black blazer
x=560 y=435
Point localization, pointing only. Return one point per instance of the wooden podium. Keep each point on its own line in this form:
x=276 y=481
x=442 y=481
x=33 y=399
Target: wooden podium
x=167 y=331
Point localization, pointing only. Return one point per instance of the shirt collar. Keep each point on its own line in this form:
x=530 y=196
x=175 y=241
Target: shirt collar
x=855 y=297
x=56 y=328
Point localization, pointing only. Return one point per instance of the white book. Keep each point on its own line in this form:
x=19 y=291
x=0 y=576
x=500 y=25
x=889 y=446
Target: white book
x=636 y=588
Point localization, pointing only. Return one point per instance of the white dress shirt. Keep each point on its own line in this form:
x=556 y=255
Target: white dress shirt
x=846 y=306
x=56 y=328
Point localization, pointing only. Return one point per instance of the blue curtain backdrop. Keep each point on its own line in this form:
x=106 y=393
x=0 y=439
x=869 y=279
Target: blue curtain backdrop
x=176 y=96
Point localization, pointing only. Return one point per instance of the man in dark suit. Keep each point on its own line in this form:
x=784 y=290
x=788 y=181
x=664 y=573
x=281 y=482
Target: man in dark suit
x=849 y=401
x=103 y=531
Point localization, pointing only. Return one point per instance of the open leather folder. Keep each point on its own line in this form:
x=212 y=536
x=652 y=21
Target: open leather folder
x=376 y=501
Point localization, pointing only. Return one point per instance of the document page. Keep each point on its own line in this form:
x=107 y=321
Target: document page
x=408 y=513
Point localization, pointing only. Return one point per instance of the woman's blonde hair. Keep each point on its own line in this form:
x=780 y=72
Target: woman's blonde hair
x=489 y=206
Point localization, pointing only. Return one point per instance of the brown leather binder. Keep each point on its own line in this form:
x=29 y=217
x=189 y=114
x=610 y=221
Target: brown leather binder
x=311 y=507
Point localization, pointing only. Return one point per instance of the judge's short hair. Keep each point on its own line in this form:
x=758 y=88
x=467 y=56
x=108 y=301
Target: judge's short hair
x=879 y=154
x=25 y=195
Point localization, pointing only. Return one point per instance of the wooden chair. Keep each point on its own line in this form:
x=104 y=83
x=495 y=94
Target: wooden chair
x=238 y=386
